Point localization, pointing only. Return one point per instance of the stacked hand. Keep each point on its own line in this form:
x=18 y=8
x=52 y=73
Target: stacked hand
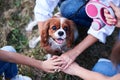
x=58 y=63
x=52 y=65
x=67 y=59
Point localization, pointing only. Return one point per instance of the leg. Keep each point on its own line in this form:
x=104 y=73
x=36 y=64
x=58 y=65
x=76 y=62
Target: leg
x=33 y=42
x=9 y=69
x=69 y=9
x=31 y=25
x=105 y=67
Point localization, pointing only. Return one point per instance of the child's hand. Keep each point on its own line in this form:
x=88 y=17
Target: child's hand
x=52 y=64
x=110 y=19
x=72 y=69
x=68 y=59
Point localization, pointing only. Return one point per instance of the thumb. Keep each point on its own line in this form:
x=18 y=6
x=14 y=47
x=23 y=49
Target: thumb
x=54 y=57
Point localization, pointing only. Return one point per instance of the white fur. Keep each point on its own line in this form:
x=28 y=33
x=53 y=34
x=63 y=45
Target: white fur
x=33 y=42
x=54 y=45
x=61 y=29
x=47 y=56
x=31 y=25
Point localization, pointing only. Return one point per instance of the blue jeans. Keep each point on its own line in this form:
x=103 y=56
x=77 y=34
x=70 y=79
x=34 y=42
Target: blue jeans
x=105 y=67
x=69 y=9
x=9 y=69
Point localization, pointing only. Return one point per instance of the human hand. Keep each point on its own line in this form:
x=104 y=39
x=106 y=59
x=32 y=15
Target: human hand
x=75 y=69
x=67 y=59
x=110 y=19
x=72 y=69
x=52 y=64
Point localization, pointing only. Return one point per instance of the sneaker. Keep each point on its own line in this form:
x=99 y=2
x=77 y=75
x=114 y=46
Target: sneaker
x=20 y=77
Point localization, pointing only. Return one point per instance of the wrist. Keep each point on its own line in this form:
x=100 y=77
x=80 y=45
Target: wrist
x=73 y=54
x=41 y=65
x=38 y=64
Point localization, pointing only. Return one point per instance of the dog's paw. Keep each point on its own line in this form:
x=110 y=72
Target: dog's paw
x=28 y=29
x=33 y=43
x=47 y=56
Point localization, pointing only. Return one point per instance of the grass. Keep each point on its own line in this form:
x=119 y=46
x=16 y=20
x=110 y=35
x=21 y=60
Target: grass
x=17 y=39
x=14 y=18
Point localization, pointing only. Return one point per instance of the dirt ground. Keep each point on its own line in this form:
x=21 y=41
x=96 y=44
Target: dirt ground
x=14 y=17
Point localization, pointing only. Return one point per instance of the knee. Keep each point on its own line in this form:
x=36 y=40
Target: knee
x=8 y=48
x=68 y=7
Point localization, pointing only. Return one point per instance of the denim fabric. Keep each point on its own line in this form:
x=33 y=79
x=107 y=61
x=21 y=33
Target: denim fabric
x=69 y=9
x=9 y=69
x=106 y=67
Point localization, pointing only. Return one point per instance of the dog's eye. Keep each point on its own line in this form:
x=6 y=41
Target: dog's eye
x=65 y=28
x=54 y=27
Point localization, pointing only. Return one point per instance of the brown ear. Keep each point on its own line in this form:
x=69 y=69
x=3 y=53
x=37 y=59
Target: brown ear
x=115 y=55
x=44 y=34
x=70 y=38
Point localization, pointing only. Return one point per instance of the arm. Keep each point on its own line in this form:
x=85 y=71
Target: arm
x=40 y=25
x=93 y=36
x=115 y=58
x=75 y=69
x=71 y=55
x=49 y=65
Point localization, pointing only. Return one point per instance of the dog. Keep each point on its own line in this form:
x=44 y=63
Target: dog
x=57 y=36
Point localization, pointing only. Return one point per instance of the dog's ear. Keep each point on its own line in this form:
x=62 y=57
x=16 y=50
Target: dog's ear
x=70 y=37
x=44 y=34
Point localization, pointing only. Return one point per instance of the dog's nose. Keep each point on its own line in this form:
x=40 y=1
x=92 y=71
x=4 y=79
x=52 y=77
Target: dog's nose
x=60 y=33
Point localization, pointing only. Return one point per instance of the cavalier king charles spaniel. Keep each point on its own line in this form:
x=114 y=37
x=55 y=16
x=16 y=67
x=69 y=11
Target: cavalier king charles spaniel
x=57 y=36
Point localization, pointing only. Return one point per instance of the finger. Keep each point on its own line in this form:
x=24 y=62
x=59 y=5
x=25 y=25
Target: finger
x=67 y=66
x=51 y=71
x=111 y=21
x=58 y=70
x=106 y=11
x=56 y=67
x=63 y=65
x=58 y=60
x=109 y=18
x=54 y=57
x=107 y=14
x=58 y=63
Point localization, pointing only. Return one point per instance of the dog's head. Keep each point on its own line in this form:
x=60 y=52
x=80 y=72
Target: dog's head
x=60 y=29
